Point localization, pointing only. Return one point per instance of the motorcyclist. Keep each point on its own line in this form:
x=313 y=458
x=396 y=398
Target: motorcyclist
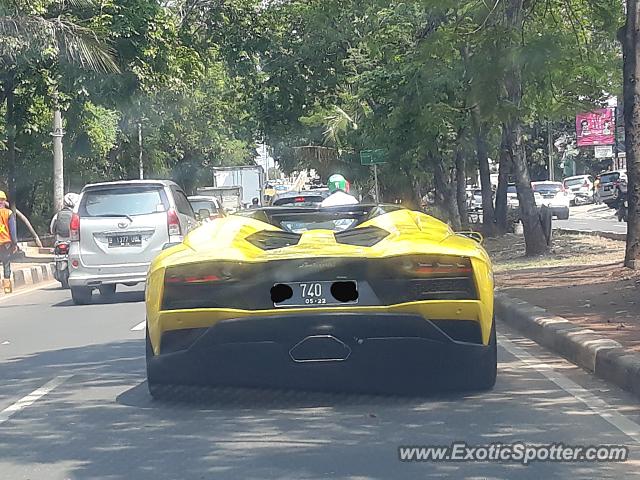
x=339 y=188
x=61 y=221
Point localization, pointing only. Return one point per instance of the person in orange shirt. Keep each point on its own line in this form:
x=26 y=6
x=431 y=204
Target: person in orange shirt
x=8 y=241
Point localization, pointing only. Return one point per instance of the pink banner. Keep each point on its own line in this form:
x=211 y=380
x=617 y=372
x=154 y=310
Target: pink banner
x=595 y=128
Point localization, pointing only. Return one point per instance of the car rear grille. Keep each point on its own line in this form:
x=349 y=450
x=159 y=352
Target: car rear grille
x=380 y=282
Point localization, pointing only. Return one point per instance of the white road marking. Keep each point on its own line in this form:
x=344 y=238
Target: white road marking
x=37 y=394
x=22 y=291
x=139 y=326
x=596 y=404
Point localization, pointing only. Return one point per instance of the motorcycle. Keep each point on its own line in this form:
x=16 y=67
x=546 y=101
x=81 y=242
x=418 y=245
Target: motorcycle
x=581 y=198
x=623 y=208
x=61 y=260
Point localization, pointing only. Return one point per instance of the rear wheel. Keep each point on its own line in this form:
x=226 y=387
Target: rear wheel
x=81 y=295
x=157 y=390
x=64 y=278
x=488 y=368
x=563 y=214
x=107 y=291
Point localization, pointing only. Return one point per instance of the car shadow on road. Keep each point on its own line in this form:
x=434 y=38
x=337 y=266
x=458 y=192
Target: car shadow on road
x=102 y=423
x=119 y=297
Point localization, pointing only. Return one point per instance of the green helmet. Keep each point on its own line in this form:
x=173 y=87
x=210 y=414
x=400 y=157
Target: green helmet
x=337 y=182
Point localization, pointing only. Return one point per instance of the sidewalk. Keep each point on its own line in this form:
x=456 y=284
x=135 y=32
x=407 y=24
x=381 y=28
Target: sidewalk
x=582 y=280
x=32 y=269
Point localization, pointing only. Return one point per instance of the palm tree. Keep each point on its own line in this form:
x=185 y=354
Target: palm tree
x=31 y=40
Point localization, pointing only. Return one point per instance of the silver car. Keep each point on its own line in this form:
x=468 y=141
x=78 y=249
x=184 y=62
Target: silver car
x=118 y=228
x=612 y=184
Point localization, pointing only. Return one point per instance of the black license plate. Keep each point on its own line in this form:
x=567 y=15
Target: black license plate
x=125 y=240
x=307 y=294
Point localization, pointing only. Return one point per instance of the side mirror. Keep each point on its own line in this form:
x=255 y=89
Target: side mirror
x=204 y=213
x=477 y=236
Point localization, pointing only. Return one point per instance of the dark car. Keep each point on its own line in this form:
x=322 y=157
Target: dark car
x=305 y=198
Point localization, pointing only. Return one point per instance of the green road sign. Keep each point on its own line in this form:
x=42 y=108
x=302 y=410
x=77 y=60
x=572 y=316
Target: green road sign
x=373 y=157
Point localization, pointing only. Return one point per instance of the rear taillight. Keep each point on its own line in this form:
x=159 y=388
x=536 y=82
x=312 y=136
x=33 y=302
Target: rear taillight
x=173 y=222
x=62 y=248
x=585 y=184
x=438 y=267
x=177 y=279
x=74 y=228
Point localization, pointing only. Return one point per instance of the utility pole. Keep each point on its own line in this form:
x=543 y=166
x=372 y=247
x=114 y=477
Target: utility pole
x=550 y=148
x=615 y=137
x=140 y=163
x=58 y=161
x=375 y=179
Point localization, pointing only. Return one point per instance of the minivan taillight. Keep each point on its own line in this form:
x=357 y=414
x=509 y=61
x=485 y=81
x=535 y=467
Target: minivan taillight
x=74 y=228
x=173 y=222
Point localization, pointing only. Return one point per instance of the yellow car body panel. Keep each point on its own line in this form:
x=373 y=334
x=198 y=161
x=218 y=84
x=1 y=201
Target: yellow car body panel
x=410 y=233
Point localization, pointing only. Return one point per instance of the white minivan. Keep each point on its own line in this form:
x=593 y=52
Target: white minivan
x=118 y=228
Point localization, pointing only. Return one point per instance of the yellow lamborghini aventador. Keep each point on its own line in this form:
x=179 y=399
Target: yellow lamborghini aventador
x=364 y=298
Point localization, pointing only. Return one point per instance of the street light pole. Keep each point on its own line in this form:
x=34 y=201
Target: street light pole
x=550 y=148
x=58 y=161
x=375 y=179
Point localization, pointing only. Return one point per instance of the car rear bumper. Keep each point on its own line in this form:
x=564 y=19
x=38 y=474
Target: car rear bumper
x=364 y=352
x=85 y=276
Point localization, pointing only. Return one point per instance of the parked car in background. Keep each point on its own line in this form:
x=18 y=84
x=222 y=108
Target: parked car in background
x=118 y=228
x=612 y=184
x=512 y=197
x=206 y=208
x=555 y=197
x=581 y=187
x=474 y=199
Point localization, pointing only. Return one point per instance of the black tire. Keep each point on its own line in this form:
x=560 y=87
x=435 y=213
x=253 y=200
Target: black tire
x=157 y=390
x=107 y=291
x=64 y=279
x=81 y=295
x=488 y=369
x=563 y=215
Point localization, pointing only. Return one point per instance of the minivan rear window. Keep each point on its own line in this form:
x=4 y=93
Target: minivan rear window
x=119 y=201
x=610 y=177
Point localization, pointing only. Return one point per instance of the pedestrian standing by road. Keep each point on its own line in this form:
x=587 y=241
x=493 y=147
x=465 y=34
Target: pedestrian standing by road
x=8 y=241
x=61 y=221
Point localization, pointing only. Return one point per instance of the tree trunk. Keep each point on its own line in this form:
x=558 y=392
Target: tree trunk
x=631 y=72
x=445 y=196
x=488 y=214
x=503 y=182
x=27 y=223
x=534 y=237
x=461 y=185
x=10 y=125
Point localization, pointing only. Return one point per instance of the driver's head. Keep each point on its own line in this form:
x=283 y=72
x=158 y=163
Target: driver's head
x=337 y=182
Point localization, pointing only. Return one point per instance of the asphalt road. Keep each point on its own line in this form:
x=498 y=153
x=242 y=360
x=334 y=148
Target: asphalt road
x=592 y=218
x=74 y=405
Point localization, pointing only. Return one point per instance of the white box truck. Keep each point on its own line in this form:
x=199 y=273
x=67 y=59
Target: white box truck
x=250 y=177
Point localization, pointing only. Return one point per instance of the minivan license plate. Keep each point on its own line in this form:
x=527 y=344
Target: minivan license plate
x=125 y=240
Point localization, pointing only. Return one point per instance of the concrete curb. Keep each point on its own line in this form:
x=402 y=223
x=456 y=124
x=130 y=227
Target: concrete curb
x=602 y=356
x=23 y=277
x=610 y=235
